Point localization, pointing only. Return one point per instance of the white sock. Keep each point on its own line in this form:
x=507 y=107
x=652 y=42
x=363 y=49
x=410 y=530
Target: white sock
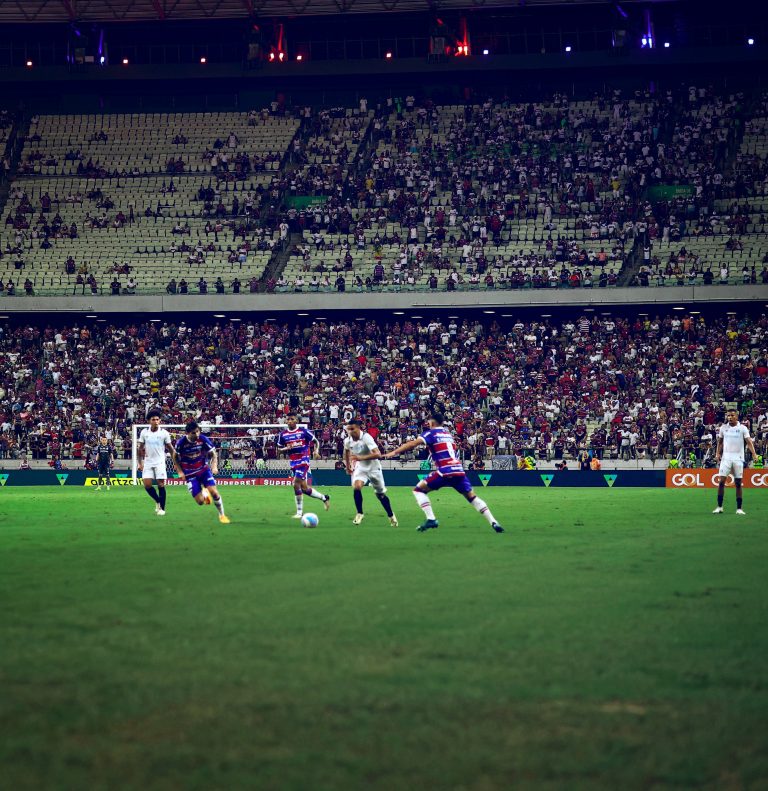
x=219 y=505
x=317 y=495
x=480 y=506
x=299 y=504
x=423 y=501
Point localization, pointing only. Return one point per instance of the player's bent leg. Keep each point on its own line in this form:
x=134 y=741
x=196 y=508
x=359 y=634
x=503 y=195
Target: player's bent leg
x=482 y=508
x=385 y=504
x=219 y=503
x=739 y=499
x=298 y=494
x=357 y=495
x=318 y=495
x=150 y=490
x=420 y=493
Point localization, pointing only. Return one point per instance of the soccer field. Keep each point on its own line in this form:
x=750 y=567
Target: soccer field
x=611 y=638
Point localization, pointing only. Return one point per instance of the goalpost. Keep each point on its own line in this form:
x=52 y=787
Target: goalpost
x=242 y=440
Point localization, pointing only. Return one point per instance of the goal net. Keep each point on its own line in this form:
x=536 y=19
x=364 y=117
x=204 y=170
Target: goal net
x=243 y=448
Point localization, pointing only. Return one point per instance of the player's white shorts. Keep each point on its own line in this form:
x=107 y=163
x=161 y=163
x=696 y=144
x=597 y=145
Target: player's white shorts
x=731 y=465
x=374 y=477
x=155 y=472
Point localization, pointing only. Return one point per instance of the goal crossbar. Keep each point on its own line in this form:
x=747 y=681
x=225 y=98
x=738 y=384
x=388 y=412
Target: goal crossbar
x=206 y=428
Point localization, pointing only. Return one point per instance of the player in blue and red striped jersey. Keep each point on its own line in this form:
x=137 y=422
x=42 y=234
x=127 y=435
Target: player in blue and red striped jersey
x=193 y=452
x=449 y=472
x=297 y=442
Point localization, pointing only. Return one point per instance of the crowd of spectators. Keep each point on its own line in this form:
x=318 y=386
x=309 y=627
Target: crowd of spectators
x=496 y=194
x=641 y=387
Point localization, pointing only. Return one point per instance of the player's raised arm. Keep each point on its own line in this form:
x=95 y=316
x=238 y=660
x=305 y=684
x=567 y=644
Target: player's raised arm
x=312 y=443
x=404 y=448
x=213 y=459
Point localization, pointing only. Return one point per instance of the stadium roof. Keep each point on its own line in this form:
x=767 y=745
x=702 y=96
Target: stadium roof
x=138 y=10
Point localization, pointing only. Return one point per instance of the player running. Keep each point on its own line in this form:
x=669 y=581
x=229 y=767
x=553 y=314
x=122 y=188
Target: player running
x=297 y=443
x=153 y=443
x=194 y=451
x=362 y=461
x=449 y=472
x=730 y=453
x=105 y=458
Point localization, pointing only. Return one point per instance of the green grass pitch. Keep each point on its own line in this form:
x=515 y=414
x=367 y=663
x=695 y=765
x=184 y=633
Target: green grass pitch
x=612 y=638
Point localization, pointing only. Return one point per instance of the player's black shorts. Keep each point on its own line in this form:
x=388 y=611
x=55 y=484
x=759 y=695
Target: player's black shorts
x=103 y=471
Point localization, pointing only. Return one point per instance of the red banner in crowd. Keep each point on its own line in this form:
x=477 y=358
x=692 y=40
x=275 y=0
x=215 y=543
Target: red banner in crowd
x=710 y=479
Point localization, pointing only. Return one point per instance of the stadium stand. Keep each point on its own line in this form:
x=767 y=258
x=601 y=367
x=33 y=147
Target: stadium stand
x=410 y=196
x=641 y=387
x=133 y=203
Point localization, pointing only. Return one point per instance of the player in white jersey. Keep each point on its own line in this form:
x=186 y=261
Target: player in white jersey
x=153 y=444
x=730 y=453
x=361 y=459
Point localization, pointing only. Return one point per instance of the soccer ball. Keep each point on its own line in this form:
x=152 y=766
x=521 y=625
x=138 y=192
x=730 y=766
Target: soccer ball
x=310 y=520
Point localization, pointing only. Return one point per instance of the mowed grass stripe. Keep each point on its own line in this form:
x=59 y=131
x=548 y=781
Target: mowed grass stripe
x=611 y=638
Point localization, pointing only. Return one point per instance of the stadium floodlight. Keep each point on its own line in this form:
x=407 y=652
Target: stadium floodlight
x=644 y=41
x=219 y=316
x=125 y=61
x=102 y=60
x=30 y=64
x=666 y=45
x=678 y=308
x=155 y=321
x=235 y=319
x=302 y=314
x=203 y=60
x=568 y=48
x=751 y=42
x=299 y=57
x=398 y=312
x=486 y=52
x=388 y=56
x=489 y=311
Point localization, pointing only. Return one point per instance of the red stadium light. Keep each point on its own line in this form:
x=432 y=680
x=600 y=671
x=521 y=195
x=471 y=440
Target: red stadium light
x=299 y=57
x=271 y=56
x=281 y=56
x=203 y=60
